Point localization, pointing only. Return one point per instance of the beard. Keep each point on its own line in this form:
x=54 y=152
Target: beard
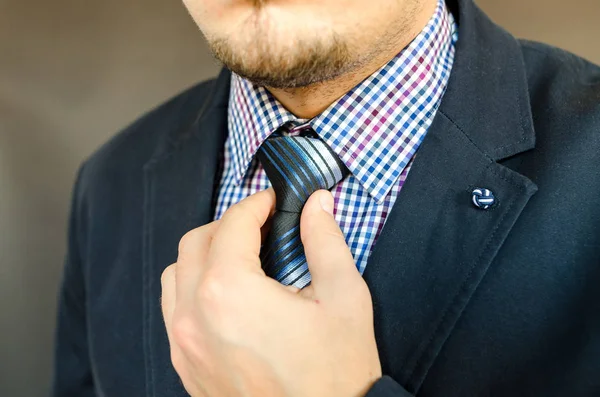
x=268 y=64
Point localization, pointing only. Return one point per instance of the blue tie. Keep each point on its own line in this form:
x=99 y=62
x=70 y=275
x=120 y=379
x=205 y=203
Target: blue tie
x=297 y=167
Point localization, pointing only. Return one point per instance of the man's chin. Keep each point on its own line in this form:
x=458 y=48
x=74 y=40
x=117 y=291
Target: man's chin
x=304 y=67
x=285 y=77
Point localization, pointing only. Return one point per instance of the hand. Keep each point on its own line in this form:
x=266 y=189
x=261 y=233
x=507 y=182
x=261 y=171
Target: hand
x=233 y=331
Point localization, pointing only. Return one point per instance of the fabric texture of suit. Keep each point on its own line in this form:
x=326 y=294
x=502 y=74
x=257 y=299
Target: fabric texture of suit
x=467 y=302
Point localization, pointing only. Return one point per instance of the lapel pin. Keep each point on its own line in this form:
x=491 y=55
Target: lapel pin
x=483 y=198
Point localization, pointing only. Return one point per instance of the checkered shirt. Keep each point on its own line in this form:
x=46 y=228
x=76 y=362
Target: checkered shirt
x=375 y=129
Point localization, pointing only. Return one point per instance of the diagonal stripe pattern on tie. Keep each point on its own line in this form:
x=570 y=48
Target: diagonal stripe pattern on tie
x=296 y=166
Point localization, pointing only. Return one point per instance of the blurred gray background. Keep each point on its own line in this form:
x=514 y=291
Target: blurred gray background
x=74 y=72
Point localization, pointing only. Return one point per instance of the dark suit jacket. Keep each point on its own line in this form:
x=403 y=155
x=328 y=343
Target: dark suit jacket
x=503 y=302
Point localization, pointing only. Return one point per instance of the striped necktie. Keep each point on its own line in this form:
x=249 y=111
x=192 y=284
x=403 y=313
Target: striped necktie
x=296 y=167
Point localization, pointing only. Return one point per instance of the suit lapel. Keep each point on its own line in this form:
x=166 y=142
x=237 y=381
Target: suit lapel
x=435 y=248
x=436 y=245
x=179 y=188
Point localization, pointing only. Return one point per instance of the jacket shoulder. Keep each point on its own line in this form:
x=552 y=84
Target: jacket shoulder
x=131 y=148
x=564 y=76
x=564 y=92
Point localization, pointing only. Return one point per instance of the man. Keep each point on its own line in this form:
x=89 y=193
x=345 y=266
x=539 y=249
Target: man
x=458 y=253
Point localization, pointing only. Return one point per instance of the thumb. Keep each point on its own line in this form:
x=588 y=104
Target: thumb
x=329 y=259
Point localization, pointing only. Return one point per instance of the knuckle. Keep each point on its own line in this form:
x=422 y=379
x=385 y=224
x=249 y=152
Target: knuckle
x=168 y=274
x=177 y=360
x=313 y=226
x=362 y=289
x=362 y=293
x=195 y=236
x=335 y=233
x=322 y=236
x=220 y=299
x=184 y=330
x=244 y=209
x=235 y=211
x=210 y=290
x=187 y=343
x=186 y=240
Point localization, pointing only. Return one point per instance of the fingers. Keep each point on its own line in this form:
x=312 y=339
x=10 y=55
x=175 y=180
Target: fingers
x=195 y=243
x=240 y=229
x=237 y=241
x=292 y=289
x=329 y=259
x=192 y=259
x=168 y=303
x=265 y=230
x=168 y=298
x=307 y=292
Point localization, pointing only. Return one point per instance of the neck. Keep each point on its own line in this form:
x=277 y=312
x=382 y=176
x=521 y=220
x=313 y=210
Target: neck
x=310 y=101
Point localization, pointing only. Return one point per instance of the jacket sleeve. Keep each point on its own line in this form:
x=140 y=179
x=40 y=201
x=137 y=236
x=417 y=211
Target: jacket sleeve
x=72 y=370
x=387 y=387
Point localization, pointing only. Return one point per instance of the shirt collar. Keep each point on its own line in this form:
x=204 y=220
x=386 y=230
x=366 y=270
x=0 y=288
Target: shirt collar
x=376 y=127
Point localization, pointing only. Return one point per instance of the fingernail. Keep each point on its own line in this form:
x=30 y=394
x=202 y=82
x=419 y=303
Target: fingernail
x=326 y=200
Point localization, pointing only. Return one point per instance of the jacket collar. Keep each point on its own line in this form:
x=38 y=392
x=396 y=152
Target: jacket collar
x=487 y=96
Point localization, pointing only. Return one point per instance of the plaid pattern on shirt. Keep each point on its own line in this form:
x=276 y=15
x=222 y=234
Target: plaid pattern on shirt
x=375 y=129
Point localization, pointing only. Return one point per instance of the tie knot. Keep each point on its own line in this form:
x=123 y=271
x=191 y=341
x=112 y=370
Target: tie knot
x=298 y=166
